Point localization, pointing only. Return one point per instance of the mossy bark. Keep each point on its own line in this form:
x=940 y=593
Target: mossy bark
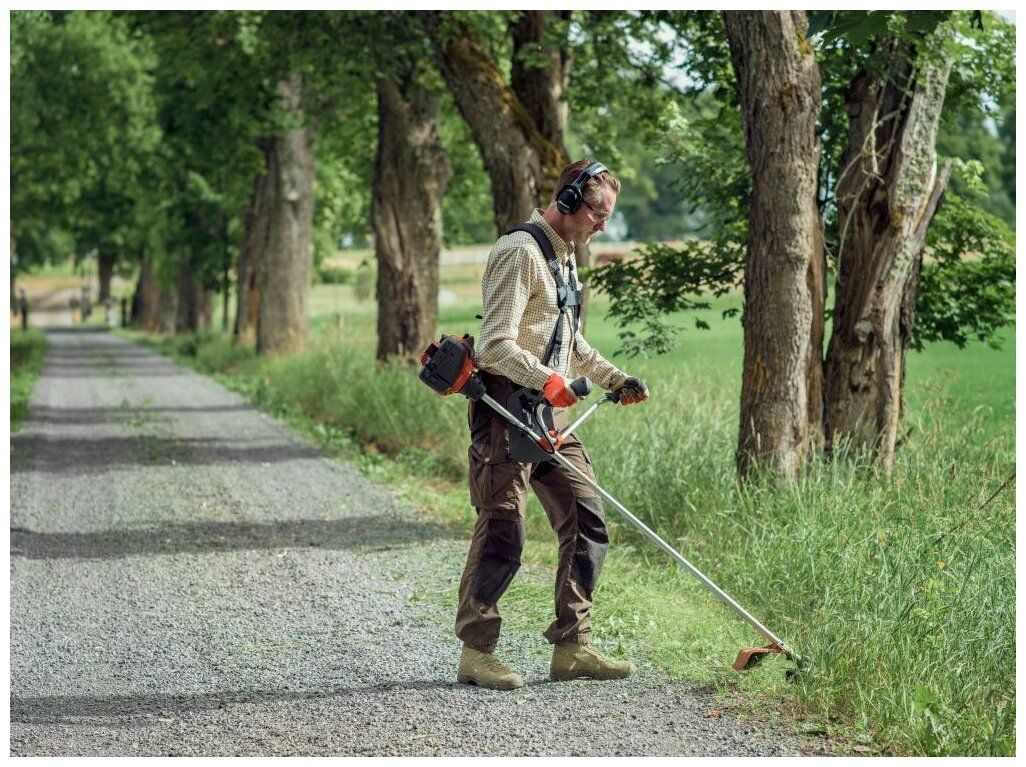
x=146 y=301
x=887 y=193
x=288 y=258
x=520 y=161
x=410 y=176
x=778 y=86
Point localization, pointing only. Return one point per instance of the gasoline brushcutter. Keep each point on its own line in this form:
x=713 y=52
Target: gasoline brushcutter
x=448 y=368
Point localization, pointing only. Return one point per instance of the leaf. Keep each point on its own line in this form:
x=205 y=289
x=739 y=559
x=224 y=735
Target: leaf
x=924 y=698
x=820 y=21
x=924 y=22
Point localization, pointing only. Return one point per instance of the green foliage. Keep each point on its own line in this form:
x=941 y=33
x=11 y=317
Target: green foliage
x=467 y=215
x=617 y=83
x=662 y=280
x=860 y=27
x=364 y=284
x=334 y=275
x=343 y=185
x=967 y=286
x=83 y=132
x=708 y=151
x=970 y=136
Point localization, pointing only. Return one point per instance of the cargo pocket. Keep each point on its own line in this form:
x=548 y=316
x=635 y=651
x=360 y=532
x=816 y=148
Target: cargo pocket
x=496 y=482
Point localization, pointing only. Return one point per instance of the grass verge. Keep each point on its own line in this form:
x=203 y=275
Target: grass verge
x=28 y=348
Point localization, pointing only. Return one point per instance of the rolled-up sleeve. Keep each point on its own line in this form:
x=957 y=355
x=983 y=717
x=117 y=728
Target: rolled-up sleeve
x=590 y=363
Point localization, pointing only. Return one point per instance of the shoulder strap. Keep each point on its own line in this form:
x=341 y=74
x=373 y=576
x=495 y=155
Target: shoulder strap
x=546 y=247
x=565 y=296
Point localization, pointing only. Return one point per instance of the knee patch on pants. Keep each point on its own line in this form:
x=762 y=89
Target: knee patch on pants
x=500 y=558
x=591 y=545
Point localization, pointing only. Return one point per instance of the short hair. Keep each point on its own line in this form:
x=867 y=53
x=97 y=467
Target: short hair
x=592 y=191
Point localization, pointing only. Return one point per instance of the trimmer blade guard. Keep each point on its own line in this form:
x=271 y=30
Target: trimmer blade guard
x=750 y=657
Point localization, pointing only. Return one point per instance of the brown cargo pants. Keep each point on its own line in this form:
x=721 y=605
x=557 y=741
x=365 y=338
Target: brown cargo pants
x=498 y=490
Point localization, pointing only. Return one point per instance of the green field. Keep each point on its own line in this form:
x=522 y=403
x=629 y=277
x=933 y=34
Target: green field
x=901 y=589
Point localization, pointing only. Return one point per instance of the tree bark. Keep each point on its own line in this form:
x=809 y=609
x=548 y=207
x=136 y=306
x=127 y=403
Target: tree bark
x=541 y=88
x=194 y=305
x=778 y=87
x=167 y=309
x=288 y=259
x=146 y=302
x=817 y=286
x=251 y=254
x=225 y=273
x=186 y=308
x=522 y=164
x=887 y=193
x=13 y=252
x=410 y=175
x=105 y=270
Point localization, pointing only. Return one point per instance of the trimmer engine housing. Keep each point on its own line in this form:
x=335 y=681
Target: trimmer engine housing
x=448 y=367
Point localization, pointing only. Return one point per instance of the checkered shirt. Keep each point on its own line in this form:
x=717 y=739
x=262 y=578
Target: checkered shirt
x=518 y=292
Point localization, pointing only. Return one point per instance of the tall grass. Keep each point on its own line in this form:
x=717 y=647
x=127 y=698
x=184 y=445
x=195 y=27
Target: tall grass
x=28 y=349
x=901 y=589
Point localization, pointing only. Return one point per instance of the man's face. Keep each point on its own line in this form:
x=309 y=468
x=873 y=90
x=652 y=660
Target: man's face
x=590 y=219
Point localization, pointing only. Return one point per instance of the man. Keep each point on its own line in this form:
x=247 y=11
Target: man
x=529 y=338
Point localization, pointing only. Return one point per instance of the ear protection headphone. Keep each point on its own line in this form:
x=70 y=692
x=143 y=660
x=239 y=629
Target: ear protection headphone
x=570 y=197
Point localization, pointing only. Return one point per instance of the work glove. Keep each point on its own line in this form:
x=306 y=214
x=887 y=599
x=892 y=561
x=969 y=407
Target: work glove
x=557 y=391
x=633 y=390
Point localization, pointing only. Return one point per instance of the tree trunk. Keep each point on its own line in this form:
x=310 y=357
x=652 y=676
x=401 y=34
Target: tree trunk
x=887 y=193
x=410 y=175
x=778 y=88
x=226 y=268
x=205 y=310
x=522 y=164
x=288 y=259
x=193 y=307
x=167 y=309
x=13 y=252
x=817 y=286
x=541 y=89
x=105 y=270
x=187 y=291
x=251 y=254
x=146 y=301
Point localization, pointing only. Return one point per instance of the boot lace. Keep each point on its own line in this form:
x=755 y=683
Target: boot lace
x=492 y=663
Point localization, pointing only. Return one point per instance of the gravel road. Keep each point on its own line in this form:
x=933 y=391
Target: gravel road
x=190 y=578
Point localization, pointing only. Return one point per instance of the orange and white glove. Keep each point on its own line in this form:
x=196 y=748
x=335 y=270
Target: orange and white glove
x=632 y=391
x=558 y=392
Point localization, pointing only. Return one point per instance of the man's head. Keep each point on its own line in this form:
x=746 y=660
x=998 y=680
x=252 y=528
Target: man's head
x=598 y=194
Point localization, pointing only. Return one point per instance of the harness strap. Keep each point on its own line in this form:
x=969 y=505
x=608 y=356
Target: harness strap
x=567 y=296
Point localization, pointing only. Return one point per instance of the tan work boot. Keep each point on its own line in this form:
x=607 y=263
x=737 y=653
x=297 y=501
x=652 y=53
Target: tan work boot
x=486 y=670
x=581 y=661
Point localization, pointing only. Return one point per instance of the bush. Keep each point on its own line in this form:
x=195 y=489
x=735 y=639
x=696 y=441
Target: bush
x=365 y=279
x=334 y=275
